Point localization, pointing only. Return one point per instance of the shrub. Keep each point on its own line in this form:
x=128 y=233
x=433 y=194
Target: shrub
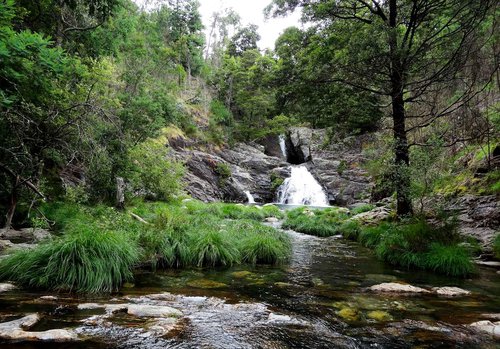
x=496 y=246
x=83 y=261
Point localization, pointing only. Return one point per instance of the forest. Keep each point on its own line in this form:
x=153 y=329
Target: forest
x=344 y=183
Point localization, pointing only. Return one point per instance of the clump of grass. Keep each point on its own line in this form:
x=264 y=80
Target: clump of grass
x=265 y=246
x=321 y=223
x=350 y=229
x=85 y=261
x=496 y=246
x=213 y=248
x=420 y=245
x=362 y=208
x=234 y=211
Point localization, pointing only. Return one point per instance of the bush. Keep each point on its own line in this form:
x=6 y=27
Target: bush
x=496 y=246
x=84 y=261
x=153 y=172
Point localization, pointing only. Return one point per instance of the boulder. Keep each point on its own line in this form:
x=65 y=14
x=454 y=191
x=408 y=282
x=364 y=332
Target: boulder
x=373 y=217
x=450 y=291
x=493 y=328
x=6 y=287
x=14 y=331
x=394 y=287
x=143 y=310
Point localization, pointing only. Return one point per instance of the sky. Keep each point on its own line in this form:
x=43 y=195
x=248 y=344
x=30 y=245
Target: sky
x=251 y=12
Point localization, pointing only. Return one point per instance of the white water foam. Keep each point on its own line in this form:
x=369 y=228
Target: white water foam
x=301 y=188
x=250 y=197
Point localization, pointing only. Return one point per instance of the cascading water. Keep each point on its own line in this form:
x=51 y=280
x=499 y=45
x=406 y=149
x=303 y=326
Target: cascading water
x=282 y=145
x=301 y=188
x=250 y=197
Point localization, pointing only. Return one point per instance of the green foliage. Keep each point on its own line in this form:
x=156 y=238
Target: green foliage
x=496 y=246
x=223 y=170
x=350 y=229
x=213 y=248
x=265 y=246
x=84 y=260
x=154 y=172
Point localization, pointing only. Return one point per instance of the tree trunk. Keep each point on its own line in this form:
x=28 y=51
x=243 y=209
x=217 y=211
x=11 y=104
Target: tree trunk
x=13 y=203
x=401 y=150
x=120 y=193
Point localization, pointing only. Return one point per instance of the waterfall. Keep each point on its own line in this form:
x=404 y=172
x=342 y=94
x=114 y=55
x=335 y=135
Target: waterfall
x=282 y=145
x=301 y=188
x=250 y=198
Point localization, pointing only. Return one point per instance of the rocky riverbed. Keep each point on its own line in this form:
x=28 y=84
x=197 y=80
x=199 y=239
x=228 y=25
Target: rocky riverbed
x=332 y=293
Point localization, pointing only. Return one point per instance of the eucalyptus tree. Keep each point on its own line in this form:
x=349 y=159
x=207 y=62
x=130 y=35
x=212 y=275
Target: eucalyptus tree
x=406 y=51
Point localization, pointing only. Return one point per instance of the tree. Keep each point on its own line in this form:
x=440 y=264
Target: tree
x=245 y=39
x=407 y=51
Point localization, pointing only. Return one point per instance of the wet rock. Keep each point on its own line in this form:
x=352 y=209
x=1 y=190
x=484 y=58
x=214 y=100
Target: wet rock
x=379 y=315
x=162 y=327
x=143 y=310
x=394 y=287
x=492 y=328
x=450 y=291
x=5 y=244
x=6 y=287
x=206 y=283
x=14 y=330
x=48 y=298
x=283 y=284
x=24 y=235
x=492 y=264
x=90 y=306
x=491 y=316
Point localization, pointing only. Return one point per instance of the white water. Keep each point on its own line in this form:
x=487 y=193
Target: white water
x=282 y=145
x=250 y=197
x=301 y=188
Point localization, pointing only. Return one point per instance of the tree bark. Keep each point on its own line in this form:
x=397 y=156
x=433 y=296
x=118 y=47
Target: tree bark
x=120 y=193
x=13 y=203
x=401 y=150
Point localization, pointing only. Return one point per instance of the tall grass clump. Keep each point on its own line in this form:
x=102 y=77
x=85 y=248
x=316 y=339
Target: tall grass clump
x=85 y=261
x=362 y=209
x=420 y=245
x=265 y=245
x=321 y=223
x=214 y=248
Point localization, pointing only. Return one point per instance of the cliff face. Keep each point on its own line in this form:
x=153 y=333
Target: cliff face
x=259 y=168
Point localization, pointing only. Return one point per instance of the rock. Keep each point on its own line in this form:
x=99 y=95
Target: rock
x=491 y=316
x=49 y=298
x=142 y=310
x=282 y=284
x=24 y=235
x=271 y=220
x=493 y=328
x=6 y=287
x=5 y=244
x=205 y=283
x=163 y=327
x=279 y=318
x=394 y=287
x=450 y=291
x=373 y=217
x=14 y=331
x=90 y=306
x=379 y=315
x=492 y=264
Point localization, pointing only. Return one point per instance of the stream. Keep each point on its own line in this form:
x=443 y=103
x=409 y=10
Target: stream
x=317 y=300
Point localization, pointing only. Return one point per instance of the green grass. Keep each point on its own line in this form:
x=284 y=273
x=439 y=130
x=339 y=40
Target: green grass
x=83 y=261
x=362 y=208
x=98 y=247
x=321 y=223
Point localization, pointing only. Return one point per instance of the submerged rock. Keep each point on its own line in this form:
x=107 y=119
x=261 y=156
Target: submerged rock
x=242 y=274
x=379 y=315
x=394 y=287
x=205 y=283
x=349 y=314
x=14 y=331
